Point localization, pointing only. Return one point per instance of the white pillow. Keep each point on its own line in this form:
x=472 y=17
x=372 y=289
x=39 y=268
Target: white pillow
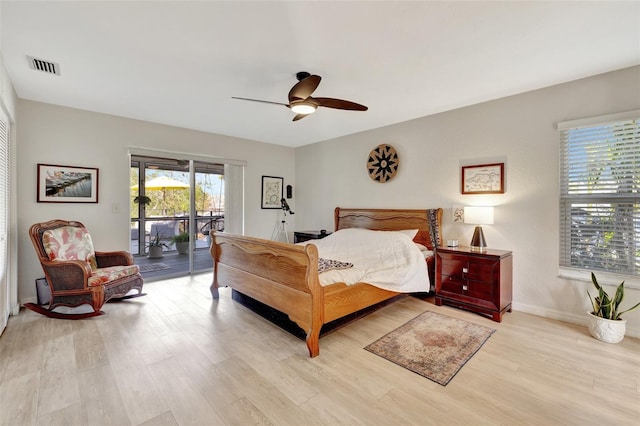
x=424 y=250
x=422 y=247
x=411 y=233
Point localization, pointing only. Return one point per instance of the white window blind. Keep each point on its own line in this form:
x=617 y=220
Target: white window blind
x=4 y=219
x=600 y=195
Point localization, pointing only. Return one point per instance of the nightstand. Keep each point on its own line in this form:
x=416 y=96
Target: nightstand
x=300 y=236
x=478 y=281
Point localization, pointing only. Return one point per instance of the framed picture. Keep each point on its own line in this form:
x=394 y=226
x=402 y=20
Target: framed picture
x=271 y=192
x=483 y=179
x=67 y=184
x=457 y=213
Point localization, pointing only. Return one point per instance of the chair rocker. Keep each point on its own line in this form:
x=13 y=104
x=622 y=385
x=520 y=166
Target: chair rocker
x=78 y=275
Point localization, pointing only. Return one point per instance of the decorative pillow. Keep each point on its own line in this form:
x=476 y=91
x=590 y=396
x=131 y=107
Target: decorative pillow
x=328 y=264
x=69 y=243
x=432 y=217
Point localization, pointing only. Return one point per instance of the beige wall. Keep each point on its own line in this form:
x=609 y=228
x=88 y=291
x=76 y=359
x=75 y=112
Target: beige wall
x=57 y=135
x=519 y=131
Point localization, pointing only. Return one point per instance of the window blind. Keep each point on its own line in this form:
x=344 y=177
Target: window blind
x=4 y=219
x=600 y=196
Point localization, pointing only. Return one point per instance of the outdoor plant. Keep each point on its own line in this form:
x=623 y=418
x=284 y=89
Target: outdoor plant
x=182 y=237
x=142 y=199
x=156 y=241
x=606 y=307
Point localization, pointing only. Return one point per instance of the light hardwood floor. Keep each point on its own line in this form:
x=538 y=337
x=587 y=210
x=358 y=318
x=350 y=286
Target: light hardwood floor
x=175 y=357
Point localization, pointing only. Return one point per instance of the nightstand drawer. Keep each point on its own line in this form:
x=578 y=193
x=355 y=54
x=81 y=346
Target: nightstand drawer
x=480 y=290
x=451 y=284
x=453 y=265
x=465 y=268
x=475 y=289
x=481 y=270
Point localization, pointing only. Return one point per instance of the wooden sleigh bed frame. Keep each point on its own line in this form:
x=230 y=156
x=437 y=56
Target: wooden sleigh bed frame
x=285 y=276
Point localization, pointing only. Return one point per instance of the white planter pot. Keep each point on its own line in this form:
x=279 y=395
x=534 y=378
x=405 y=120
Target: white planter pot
x=606 y=330
x=155 y=252
x=183 y=247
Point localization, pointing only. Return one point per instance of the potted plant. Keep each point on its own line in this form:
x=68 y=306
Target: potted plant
x=155 y=247
x=605 y=323
x=142 y=199
x=182 y=242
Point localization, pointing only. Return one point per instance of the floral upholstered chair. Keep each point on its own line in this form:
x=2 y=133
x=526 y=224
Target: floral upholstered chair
x=77 y=274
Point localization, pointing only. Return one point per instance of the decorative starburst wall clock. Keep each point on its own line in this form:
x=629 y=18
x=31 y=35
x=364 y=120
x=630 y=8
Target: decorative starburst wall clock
x=383 y=162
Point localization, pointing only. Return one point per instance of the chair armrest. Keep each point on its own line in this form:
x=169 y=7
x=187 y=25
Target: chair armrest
x=66 y=275
x=105 y=259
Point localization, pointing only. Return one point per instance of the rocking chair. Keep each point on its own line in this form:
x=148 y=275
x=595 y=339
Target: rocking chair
x=78 y=275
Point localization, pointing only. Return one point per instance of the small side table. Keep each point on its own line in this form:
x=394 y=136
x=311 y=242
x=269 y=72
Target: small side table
x=477 y=281
x=300 y=236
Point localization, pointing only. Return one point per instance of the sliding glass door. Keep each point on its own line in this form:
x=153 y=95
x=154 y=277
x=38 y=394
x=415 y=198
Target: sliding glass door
x=174 y=206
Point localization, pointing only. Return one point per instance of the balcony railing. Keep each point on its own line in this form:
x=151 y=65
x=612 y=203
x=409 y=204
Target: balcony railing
x=168 y=226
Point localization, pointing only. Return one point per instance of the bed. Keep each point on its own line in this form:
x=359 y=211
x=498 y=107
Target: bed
x=285 y=276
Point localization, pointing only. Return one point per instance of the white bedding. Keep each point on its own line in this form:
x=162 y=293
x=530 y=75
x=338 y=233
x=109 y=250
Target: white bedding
x=386 y=259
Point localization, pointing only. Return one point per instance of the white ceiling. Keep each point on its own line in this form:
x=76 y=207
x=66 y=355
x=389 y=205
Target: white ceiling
x=179 y=63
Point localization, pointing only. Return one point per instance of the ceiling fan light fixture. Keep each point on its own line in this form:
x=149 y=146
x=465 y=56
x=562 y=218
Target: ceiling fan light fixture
x=304 y=107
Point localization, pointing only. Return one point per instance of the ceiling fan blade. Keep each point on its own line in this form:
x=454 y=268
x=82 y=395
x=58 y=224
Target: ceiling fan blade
x=339 y=104
x=259 y=100
x=299 y=117
x=304 y=88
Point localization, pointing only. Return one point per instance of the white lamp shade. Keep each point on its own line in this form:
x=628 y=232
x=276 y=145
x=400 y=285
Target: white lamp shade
x=478 y=215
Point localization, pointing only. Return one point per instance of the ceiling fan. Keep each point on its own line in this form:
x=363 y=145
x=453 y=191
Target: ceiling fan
x=301 y=102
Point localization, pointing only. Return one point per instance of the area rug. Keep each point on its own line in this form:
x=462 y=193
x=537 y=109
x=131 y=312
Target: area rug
x=433 y=345
x=151 y=267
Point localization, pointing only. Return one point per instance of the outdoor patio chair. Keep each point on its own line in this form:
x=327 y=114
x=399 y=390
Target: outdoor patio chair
x=165 y=229
x=78 y=275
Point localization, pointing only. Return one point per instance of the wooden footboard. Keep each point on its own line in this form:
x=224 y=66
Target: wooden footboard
x=283 y=276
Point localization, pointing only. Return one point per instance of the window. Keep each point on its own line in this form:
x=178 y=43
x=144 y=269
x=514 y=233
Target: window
x=600 y=194
x=5 y=177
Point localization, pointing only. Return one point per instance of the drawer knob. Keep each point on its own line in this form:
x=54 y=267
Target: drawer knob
x=465 y=287
x=465 y=270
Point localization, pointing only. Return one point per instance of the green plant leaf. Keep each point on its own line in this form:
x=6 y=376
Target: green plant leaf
x=605 y=307
x=618 y=296
x=596 y=309
x=630 y=309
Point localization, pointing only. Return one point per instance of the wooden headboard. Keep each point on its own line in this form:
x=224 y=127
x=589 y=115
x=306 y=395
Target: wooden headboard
x=391 y=220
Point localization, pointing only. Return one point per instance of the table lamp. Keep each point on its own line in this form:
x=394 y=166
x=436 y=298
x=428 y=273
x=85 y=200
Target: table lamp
x=478 y=215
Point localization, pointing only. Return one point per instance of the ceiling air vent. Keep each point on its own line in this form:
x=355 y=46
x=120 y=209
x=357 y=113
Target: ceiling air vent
x=42 y=65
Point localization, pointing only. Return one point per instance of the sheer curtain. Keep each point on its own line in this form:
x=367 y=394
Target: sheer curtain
x=234 y=199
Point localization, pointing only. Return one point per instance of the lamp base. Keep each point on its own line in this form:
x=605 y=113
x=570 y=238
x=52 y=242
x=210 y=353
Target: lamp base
x=478 y=242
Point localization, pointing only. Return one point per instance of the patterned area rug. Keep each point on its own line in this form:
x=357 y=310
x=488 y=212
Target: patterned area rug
x=150 y=267
x=433 y=345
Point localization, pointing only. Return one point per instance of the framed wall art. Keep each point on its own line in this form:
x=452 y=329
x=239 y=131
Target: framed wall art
x=457 y=213
x=271 y=192
x=67 y=184
x=483 y=179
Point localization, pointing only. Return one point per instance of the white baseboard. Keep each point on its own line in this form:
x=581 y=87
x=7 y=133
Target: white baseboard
x=529 y=309
x=27 y=300
x=563 y=316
